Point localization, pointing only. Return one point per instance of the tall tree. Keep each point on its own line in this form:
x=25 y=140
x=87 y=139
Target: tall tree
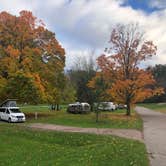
x=26 y=46
x=82 y=72
x=128 y=83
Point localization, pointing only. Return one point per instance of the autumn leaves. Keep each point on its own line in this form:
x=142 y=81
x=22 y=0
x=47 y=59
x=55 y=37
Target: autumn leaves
x=32 y=63
x=126 y=82
x=23 y=75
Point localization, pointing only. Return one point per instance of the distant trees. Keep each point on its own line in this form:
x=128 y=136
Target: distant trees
x=83 y=71
x=159 y=74
x=119 y=67
x=68 y=93
x=31 y=59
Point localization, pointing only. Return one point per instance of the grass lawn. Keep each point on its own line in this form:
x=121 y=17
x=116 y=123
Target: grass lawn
x=34 y=108
x=116 y=119
x=161 y=107
x=21 y=146
x=38 y=108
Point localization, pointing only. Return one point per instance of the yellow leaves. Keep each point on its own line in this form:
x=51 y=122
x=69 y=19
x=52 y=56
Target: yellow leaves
x=8 y=65
x=2 y=82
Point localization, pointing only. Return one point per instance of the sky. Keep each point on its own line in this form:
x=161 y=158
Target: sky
x=83 y=26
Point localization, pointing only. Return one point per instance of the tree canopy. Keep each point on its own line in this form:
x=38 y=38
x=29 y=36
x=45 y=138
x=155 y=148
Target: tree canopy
x=127 y=82
x=30 y=58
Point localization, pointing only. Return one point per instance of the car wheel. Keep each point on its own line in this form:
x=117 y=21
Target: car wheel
x=9 y=120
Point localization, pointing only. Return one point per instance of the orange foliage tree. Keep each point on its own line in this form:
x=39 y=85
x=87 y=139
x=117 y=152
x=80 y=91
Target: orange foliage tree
x=127 y=82
x=27 y=47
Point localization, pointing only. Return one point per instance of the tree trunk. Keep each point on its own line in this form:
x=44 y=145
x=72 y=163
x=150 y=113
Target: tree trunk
x=58 y=107
x=97 y=111
x=91 y=107
x=128 y=112
x=97 y=116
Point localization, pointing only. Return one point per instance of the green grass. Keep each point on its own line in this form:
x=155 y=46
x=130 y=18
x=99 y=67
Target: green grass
x=161 y=107
x=35 y=108
x=38 y=108
x=116 y=119
x=26 y=147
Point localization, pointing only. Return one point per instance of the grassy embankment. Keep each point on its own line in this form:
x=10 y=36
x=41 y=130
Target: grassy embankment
x=22 y=146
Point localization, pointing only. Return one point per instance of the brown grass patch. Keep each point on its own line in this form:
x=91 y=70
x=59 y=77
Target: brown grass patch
x=118 y=116
x=31 y=115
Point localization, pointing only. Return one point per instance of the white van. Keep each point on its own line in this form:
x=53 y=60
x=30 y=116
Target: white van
x=107 y=106
x=11 y=113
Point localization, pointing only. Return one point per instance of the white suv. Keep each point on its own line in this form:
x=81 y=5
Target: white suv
x=11 y=114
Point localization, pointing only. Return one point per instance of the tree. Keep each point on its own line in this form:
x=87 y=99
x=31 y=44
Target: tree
x=99 y=87
x=27 y=88
x=27 y=47
x=127 y=82
x=68 y=93
x=159 y=74
x=81 y=73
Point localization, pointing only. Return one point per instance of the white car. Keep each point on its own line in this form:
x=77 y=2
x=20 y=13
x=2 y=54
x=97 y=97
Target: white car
x=11 y=114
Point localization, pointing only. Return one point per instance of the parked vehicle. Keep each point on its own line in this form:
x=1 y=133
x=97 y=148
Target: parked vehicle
x=10 y=112
x=107 y=106
x=122 y=106
x=78 y=108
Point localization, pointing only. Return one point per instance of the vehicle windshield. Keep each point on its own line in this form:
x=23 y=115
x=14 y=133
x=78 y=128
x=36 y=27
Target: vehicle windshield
x=15 y=110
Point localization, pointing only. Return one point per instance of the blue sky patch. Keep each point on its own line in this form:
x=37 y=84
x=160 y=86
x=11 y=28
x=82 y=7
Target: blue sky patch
x=140 y=5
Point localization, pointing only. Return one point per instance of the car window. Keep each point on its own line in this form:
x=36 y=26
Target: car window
x=14 y=110
x=2 y=109
x=7 y=112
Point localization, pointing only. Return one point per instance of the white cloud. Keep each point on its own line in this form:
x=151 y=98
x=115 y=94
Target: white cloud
x=86 y=24
x=15 y=6
x=160 y=4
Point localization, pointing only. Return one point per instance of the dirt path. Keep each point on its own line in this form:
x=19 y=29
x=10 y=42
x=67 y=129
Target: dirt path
x=154 y=135
x=126 y=133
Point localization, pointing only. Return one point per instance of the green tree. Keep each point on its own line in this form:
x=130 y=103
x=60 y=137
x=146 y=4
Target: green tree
x=99 y=87
x=159 y=74
x=24 y=88
x=82 y=72
x=68 y=93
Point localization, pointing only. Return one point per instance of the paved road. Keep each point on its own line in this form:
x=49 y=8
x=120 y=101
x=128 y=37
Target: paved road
x=154 y=135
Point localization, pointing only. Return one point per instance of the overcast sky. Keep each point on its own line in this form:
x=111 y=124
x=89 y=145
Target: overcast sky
x=85 y=25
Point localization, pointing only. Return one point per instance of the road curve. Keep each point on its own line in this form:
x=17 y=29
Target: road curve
x=154 y=135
